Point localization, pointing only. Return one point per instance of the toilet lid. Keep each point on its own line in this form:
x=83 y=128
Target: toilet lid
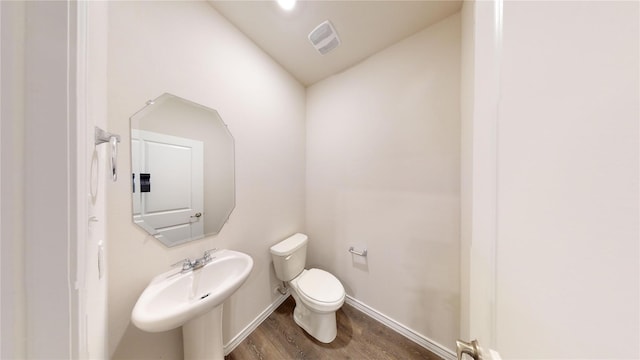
x=321 y=286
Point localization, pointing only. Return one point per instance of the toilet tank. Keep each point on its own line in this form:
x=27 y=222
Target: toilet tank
x=289 y=256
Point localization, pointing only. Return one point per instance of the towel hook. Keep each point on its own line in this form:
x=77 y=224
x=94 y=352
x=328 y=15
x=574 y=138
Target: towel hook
x=102 y=136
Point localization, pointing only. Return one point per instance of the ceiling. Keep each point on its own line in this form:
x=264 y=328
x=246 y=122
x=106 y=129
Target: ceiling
x=364 y=28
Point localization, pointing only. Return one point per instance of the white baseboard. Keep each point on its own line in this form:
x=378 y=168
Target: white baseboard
x=426 y=343
x=383 y=319
x=228 y=348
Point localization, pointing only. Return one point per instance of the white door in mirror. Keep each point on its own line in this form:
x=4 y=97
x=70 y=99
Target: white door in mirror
x=168 y=185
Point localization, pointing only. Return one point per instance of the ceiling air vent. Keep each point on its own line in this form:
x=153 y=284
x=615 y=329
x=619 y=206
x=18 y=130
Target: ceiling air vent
x=324 y=37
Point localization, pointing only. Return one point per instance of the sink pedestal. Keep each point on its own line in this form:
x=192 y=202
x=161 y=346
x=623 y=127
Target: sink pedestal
x=202 y=336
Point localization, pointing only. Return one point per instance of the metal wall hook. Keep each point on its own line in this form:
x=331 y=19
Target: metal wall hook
x=102 y=136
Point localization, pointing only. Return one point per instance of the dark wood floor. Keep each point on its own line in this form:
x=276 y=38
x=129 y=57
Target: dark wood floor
x=359 y=337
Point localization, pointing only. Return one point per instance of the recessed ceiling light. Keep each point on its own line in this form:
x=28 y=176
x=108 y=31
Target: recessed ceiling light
x=287 y=5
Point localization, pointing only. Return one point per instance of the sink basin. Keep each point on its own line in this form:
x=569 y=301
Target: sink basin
x=174 y=298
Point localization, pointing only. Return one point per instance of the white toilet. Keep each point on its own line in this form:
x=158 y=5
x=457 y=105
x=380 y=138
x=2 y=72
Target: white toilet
x=318 y=294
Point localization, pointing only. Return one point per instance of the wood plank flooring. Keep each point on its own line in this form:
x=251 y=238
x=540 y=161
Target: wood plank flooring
x=359 y=337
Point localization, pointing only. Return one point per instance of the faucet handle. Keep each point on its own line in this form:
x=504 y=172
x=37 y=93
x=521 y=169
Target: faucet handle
x=187 y=264
x=207 y=254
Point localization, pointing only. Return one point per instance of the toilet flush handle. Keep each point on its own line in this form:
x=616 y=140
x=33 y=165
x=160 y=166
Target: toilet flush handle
x=288 y=257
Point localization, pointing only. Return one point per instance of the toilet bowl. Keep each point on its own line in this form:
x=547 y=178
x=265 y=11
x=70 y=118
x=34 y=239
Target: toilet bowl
x=317 y=293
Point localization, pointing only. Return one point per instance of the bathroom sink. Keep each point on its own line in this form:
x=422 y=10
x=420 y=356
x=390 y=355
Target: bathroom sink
x=176 y=297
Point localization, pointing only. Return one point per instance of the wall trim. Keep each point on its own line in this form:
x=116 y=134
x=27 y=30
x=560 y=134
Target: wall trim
x=231 y=345
x=367 y=310
x=402 y=329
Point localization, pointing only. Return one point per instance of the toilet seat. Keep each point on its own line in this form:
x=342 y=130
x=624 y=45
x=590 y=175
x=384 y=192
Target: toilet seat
x=320 y=290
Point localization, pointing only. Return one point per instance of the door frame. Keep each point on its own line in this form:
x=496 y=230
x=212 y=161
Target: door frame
x=481 y=63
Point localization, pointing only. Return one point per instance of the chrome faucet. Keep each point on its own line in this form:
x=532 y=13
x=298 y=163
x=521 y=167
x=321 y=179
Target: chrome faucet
x=207 y=255
x=188 y=264
x=206 y=258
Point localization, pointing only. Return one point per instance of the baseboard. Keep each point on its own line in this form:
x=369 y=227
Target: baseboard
x=374 y=314
x=228 y=348
x=426 y=343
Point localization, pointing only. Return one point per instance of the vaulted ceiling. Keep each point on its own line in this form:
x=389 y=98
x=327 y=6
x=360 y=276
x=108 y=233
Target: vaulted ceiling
x=364 y=28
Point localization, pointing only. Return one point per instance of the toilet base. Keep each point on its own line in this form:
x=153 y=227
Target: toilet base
x=322 y=326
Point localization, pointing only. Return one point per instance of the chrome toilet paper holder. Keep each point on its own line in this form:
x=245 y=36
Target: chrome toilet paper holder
x=356 y=252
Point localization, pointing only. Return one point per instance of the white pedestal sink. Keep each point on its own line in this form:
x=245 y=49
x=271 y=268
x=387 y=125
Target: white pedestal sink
x=193 y=300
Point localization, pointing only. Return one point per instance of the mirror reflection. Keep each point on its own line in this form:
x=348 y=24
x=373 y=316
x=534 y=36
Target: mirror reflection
x=182 y=164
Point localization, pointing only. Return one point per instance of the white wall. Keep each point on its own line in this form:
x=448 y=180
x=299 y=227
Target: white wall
x=49 y=122
x=188 y=49
x=550 y=179
x=38 y=219
x=568 y=138
x=93 y=173
x=13 y=291
x=383 y=148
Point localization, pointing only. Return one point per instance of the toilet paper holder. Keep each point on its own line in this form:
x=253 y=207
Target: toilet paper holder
x=359 y=253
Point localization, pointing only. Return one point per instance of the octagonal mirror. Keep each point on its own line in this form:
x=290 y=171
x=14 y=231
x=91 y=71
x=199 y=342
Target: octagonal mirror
x=182 y=164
